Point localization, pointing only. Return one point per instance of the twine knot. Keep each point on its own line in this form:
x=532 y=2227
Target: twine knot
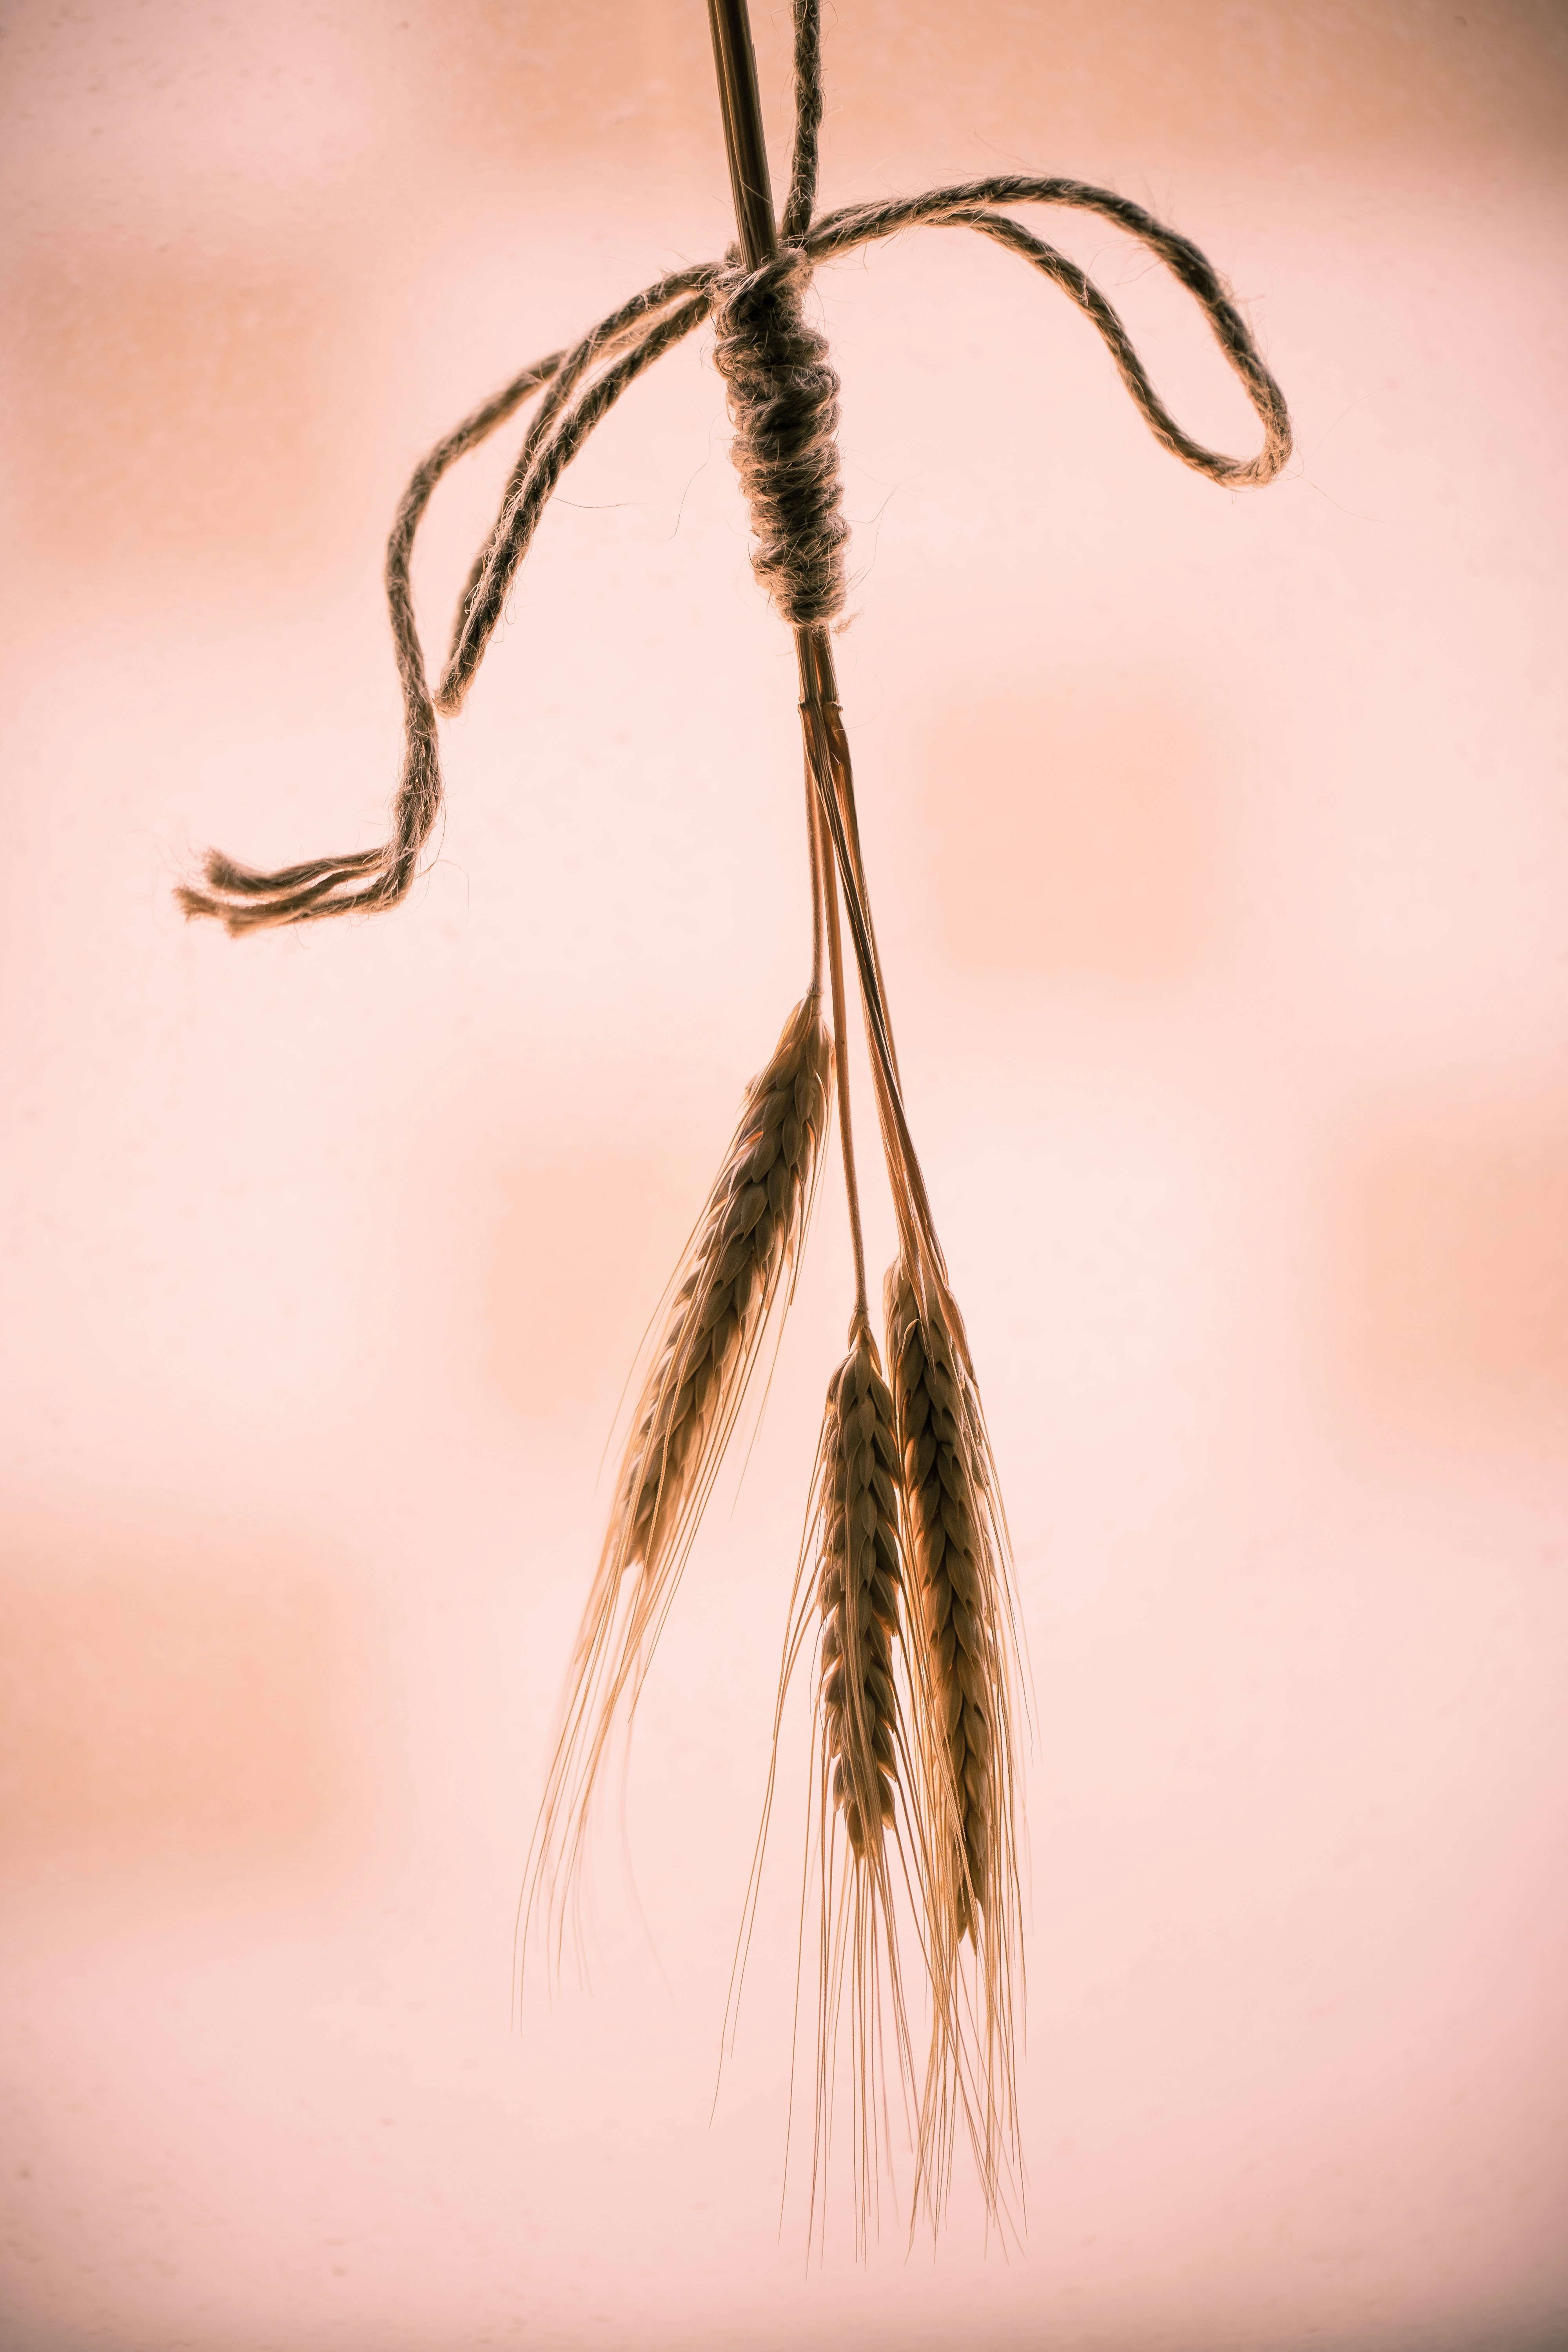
x=784 y=404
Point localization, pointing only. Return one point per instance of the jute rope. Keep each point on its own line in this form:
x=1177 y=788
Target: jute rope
x=782 y=395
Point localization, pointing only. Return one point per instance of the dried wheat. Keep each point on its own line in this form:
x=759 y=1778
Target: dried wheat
x=857 y=1593
x=866 y=1771
x=864 y=1756
x=749 y=1234
x=963 y=1629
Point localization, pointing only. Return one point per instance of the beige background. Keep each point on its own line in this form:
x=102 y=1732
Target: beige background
x=1221 y=851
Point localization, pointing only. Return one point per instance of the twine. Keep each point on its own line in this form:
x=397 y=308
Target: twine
x=783 y=397
x=784 y=403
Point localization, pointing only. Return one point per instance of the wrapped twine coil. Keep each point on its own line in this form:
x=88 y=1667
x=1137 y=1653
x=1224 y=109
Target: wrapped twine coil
x=783 y=405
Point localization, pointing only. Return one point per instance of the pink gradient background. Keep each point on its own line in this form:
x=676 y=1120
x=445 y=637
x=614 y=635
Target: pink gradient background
x=1220 y=845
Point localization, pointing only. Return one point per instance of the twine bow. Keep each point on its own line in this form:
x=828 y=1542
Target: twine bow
x=782 y=400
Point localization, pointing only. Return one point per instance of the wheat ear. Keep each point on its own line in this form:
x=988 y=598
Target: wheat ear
x=865 y=1755
x=865 y=1811
x=857 y=1593
x=964 y=1625
x=749 y=1234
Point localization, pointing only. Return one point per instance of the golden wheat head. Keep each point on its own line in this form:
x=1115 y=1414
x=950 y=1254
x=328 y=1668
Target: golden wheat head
x=748 y=1235
x=857 y=1593
x=868 y=1772
x=962 y=1621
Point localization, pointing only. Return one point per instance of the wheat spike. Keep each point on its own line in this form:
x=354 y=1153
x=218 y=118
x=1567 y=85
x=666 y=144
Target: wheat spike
x=864 y=1752
x=850 y=1584
x=752 y=1223
x=949 y=1541
x=857 y=1593
x=749 y=1234
x=964 y=1625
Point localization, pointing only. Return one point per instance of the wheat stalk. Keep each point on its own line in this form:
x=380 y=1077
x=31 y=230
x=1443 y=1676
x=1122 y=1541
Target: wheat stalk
x=961 y=1629
x=850 y=1577
x=749 y=1234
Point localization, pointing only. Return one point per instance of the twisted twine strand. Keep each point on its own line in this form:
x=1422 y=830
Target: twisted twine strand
x=246 y=900
x=784 y=403
x=647 y=326
x=968 y=205
x=800 y=202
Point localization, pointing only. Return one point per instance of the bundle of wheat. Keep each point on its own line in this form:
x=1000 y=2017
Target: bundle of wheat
x=905 y=1580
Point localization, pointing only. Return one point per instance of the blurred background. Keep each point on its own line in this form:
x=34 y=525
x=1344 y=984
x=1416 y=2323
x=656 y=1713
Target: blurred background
x=1220 y=849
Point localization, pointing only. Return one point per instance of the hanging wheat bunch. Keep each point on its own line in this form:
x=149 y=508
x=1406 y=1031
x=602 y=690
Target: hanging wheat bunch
x=903 y=1597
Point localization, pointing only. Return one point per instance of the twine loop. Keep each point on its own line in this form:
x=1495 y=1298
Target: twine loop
x=784 y=405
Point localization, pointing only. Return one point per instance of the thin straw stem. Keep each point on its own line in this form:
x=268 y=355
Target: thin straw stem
x=820 y=857
x=815 y=650
x=730 y=23
x=827 y=757
x=825 y=860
